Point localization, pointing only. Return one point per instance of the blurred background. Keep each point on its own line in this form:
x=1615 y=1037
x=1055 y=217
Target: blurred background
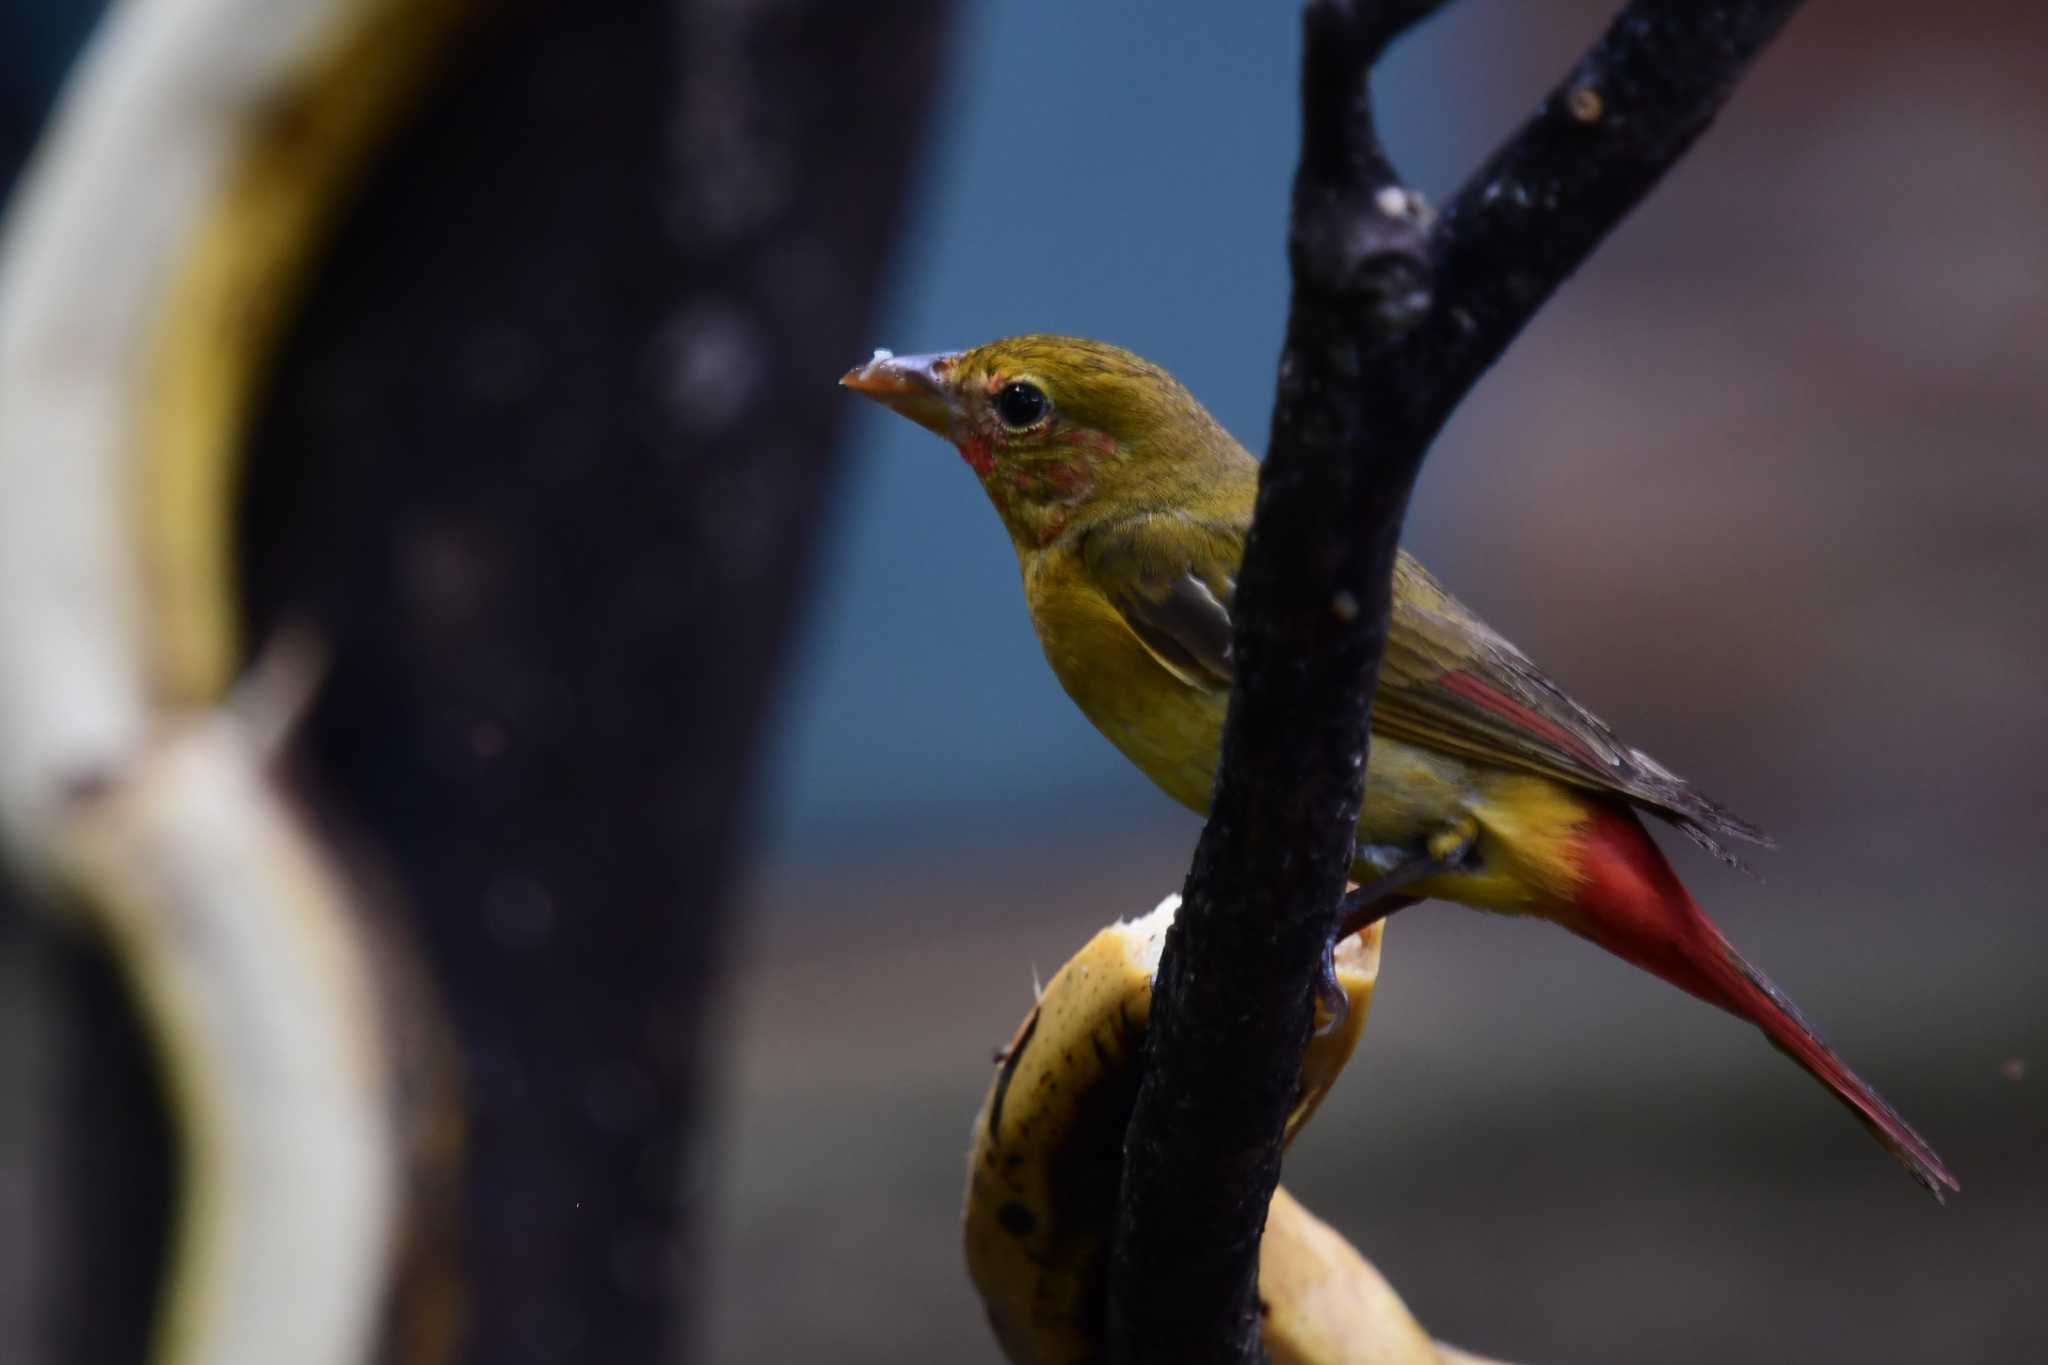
x=1763 y=487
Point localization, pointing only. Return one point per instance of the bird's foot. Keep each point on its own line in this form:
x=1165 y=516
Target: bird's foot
x=1368 y=905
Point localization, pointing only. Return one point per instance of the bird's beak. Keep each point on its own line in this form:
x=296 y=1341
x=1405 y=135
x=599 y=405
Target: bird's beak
x=918 y=386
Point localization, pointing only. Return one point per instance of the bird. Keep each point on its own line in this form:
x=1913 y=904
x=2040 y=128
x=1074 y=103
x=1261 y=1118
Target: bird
x=1128 y=505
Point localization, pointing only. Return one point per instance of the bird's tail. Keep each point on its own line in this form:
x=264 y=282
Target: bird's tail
x=1631 y=903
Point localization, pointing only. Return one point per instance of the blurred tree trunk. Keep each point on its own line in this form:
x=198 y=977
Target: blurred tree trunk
x=545 y=461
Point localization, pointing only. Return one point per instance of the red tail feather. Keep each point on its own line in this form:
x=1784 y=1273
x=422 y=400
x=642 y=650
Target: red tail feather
x=1632 y=904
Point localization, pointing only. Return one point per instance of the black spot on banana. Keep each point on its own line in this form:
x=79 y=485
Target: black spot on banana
x=1046 y=1159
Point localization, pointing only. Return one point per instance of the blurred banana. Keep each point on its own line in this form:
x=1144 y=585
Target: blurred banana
x=1047 y=1155
x=153 y=255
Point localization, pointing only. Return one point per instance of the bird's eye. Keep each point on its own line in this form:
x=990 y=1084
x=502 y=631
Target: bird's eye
x=1021 y=405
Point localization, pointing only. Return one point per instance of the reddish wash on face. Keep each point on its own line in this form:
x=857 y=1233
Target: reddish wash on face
x=1101 y=442
x=974 y=449
x=1068 y=480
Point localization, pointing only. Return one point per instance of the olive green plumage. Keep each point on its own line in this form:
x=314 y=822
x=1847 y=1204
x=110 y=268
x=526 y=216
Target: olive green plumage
x=1128 y=506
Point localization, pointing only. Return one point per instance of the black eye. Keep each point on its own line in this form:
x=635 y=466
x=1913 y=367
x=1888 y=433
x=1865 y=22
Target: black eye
x=1021 y=404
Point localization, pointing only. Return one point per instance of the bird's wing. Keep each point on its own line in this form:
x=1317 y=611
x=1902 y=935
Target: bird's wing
x=1448 y=681
x=1171 y=578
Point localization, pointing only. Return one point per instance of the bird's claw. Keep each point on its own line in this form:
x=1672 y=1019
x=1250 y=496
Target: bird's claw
x=1367 y=905
x=1333 y=1005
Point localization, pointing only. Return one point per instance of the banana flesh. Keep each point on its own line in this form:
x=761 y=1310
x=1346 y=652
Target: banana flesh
x=1046 y=1160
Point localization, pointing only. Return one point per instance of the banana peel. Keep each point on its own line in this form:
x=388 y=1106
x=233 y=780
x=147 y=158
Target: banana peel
x=1047 y=1157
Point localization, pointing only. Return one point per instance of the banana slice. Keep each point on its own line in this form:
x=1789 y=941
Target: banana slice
x=1046 y=1159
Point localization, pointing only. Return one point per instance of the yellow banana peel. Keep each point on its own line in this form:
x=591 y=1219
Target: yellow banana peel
x=1047 y=1156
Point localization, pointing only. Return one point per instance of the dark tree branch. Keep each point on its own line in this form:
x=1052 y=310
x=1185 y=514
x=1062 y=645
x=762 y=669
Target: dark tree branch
x=1393 y=318
x=1601 y=141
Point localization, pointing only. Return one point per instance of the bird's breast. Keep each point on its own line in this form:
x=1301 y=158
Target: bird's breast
x=1171 y=730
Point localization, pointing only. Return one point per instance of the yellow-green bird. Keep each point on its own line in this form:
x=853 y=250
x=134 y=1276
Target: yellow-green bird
x=1128 y=506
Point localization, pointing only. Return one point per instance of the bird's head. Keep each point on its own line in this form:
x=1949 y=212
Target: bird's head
x=1056 y=426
